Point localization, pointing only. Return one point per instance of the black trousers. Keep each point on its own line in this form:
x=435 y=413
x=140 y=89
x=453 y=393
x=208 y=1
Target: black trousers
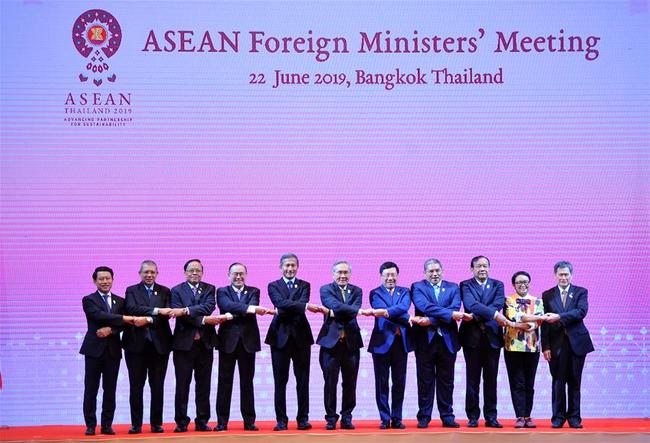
x=435 y=372
x=104 y=368
x=333 y=361
x=148 y=363
x=197 y=360
x=391 y=365
x=522 y=367
x=481 y=359
x=281 y=359
x=566 y=371
x=246 y=364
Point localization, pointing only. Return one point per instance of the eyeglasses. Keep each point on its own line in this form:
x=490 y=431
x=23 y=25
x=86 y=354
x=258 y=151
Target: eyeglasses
x=522 y=283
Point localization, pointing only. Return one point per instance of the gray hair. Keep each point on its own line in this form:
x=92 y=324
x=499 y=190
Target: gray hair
x=432 y=261
x=563 y=264
x=341 y=262
x=287 y=256
x=150 y=263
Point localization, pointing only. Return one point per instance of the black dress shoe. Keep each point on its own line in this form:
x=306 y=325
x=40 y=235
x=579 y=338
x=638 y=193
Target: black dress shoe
x=493 y=424
x=220 y=427
x=575 y=424
x=450 y=424
x=251 y=427
x=557 y=424
x=397 y=424
x=280 y=426
x=304 y=426
x=108 y=431
x=135 y=430
x=330 y=426
x=180 y=428
x=90 y=431
x=202 y=428
x=157 y=429
x=423 y=424
x=347 y=425
x=384 y=425
x=472 y=423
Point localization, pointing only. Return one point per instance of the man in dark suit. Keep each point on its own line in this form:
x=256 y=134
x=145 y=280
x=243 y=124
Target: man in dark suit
x=566 y=342
x=482 y=340
x=102 y=350
x=194 y=339
x=290 y=338
x=147 y=349
x=390 y=343
x=435 y=333
x=239 y=340
x=340 y=341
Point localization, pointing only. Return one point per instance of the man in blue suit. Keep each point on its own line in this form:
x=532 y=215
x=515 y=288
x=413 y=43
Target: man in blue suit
x=290 y=338
x=435 y=333
x=482 y=340
x=147 y=349
x=566 y=342
x=340 y=341
x=193 y=343
x=239 y=340
x=390 y=343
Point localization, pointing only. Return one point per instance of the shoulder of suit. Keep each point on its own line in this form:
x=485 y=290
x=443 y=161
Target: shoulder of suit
x=207 y=286
x=179 y=286
x=466 y=282
x=158 y=287
x=302 y=282
x=578 y=288
x=252 y=288
x=222 y=289
x=354 y=288
x=403 y=288
x=496 y=282
x=119 y=297
x=450 y=284
x=90 y=295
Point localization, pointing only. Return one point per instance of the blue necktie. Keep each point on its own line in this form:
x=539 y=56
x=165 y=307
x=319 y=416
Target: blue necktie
x=149 y=293
x=194 y=294
x=290 y=286
x=108 y=305
x=436 y=292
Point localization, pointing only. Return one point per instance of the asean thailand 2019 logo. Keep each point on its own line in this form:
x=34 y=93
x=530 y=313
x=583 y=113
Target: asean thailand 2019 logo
x=97 y=36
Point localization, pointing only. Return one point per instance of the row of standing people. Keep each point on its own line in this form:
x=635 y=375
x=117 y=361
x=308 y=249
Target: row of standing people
x=432 y=332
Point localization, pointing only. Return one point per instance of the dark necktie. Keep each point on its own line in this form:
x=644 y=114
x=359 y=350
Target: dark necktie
x=563 y=295
x=149 y=293
x=194 y=291
x=290 y=287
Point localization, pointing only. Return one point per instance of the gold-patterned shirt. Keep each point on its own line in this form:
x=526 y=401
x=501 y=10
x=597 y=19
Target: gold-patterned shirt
x=515 y=307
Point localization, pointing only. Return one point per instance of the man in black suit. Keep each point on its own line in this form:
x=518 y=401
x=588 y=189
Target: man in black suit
x=102 y=350
x=340 y=341
x=482 y=340
x=239 y=340
x=195 y=338
x=147 y=349
x=566 y=342
x=290 y=338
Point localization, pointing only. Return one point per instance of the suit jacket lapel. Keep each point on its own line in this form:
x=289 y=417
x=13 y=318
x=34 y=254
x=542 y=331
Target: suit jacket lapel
x=432 y=293
x=100 y=301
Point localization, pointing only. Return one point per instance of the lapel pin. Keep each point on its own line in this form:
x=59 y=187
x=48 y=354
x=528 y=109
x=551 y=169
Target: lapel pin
x=245 y=292
x=155 y=292
x=487 y=286
x=571 y=295
x=443 y=289
x=348 y=291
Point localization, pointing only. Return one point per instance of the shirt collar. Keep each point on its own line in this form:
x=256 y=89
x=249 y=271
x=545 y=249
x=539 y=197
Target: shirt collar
x=286 y=281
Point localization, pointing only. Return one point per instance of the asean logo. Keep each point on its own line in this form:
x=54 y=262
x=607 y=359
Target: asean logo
x=97 y=36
